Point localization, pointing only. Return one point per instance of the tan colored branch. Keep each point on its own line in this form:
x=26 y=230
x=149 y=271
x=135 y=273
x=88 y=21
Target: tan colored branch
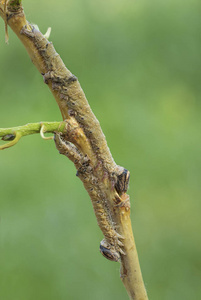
x=84 y=143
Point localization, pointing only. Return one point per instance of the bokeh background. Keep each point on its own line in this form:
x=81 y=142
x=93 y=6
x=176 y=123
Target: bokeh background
x=140 y=67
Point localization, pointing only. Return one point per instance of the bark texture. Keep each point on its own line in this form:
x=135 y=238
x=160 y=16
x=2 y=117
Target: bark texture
x=84 y=143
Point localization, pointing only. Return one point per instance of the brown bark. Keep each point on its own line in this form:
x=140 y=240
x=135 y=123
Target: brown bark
x=84 y=143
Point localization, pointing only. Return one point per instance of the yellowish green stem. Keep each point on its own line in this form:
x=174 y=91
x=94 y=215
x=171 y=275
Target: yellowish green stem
x=13 y=134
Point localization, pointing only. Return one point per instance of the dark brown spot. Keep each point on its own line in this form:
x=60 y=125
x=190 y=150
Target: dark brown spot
x=8 y=137
x=107 y=253
x=122 y=182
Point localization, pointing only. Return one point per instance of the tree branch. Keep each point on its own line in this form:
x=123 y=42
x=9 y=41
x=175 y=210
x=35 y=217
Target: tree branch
x=84 y=143
x=13 y=134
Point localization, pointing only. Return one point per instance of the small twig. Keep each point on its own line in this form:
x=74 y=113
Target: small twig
x=14 y=134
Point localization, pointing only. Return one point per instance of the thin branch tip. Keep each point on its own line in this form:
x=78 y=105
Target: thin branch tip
x=12 y=135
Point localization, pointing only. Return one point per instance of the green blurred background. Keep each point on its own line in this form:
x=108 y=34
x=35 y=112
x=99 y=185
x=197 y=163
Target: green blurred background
x=140 y=67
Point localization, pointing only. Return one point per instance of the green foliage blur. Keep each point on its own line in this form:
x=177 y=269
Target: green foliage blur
x=139 y=65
